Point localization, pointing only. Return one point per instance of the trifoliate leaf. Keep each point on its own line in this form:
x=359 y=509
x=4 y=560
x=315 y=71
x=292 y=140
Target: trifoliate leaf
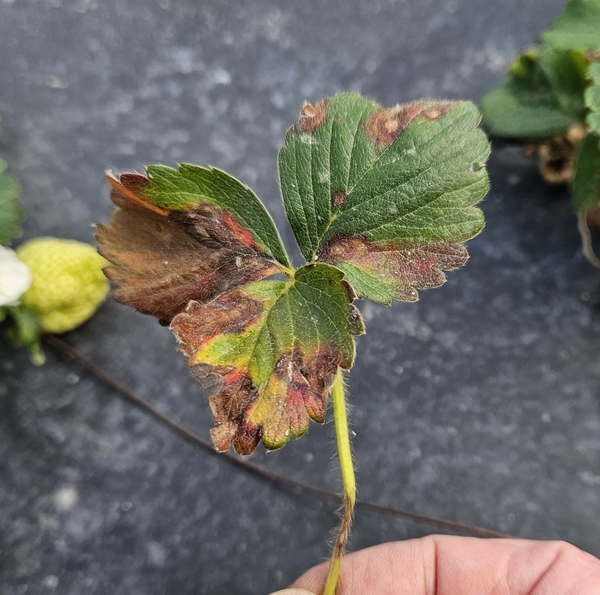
x=577 y=27
x=268 y=353
x=585 y=185
x=382 y=199
x=386 y=195
x=542 y=98
x=592 y=98
x=11 y=210
x=167 y=249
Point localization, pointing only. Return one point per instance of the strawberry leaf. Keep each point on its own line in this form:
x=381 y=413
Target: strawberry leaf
x=577 y=27
x=11 y=210
x=542 y=97
x=386 y=195
x=181 y=235
x=585 y=185
x=268 y=353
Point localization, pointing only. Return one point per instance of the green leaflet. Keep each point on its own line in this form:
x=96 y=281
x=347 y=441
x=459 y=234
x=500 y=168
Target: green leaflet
x=585 y=185
x=542 y=98
x=592 y=98
x=276 y=347
x=326 y=152
x=577 y=27
x=364 y=186
x=11 y=210
x=183 y=188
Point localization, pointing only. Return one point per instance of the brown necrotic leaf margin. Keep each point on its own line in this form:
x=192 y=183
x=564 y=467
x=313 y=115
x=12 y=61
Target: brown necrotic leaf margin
x=161 y=260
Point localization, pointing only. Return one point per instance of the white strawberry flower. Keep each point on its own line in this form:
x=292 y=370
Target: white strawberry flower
x=15 y=277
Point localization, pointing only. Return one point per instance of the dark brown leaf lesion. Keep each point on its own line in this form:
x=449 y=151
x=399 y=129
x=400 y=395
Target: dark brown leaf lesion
x=297 y=390
x=386 y=124
x=161 y=260
x=338 y=198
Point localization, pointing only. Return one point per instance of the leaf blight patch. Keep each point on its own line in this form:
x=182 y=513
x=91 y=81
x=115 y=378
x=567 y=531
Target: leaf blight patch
x=277 y=347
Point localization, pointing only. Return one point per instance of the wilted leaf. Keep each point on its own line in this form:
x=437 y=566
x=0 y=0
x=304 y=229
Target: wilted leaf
x=386 y=195
x=592 y=98
x=577 y=27
x=585 y=185
x=268 y=353
x=542 y=98
x=183 y=235
x=11 y=210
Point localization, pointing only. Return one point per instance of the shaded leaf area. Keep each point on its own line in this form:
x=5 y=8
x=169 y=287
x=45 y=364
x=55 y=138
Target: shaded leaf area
x=386 y=195
x=182 y=189
x=592 y=98
x=542 y=98
x=268 y=353
x=161 y=259
x=12 y=213
x=577 y=27
x=585 y=185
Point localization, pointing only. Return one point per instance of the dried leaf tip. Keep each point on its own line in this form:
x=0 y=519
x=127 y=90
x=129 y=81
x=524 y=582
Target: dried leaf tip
x=311 y=117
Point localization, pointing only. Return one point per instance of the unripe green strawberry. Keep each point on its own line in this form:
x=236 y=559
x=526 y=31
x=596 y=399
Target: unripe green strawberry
x=67 y=285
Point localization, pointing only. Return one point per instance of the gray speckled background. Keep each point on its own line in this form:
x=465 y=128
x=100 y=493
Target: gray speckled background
x=480 y=403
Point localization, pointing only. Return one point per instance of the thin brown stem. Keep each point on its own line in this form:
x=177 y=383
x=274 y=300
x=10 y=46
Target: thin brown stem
x=105 y=377
x=586 y=240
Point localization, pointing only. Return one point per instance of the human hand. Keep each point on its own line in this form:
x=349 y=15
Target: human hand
x=445 y=565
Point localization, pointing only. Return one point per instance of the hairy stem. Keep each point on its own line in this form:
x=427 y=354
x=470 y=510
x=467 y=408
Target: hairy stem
x=342 y=434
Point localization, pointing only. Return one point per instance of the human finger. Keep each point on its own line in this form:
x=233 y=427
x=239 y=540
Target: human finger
x=446 y=565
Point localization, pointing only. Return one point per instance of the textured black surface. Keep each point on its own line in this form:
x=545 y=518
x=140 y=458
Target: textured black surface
x=480 y=403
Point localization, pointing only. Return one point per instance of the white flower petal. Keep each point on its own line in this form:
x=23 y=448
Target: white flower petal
x=15 y=277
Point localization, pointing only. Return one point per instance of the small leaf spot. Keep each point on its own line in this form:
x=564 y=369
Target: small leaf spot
x=477 y=166
x=338 y=198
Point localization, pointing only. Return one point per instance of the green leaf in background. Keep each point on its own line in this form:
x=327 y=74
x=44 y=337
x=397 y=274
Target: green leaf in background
x=592 y=98
x=268 y=353
x=11 y=210
x=585 y=185
x=542 y=98
x=25 y=330
x=386 y=195
x=577 y=27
